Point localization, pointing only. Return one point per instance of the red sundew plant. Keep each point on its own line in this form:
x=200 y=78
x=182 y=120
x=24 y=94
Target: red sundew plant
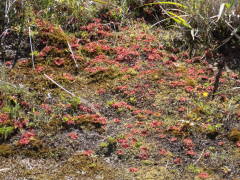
x=235 y=76
x=204 y=77
x=148 y=112
x=101 y=91
x=173 y=84
x=221 y=143
x=73 y=135
x=203 y=175
x=210 y=88
x=120 y=152
x=163 y=152
x=173 y=139
x=191 y=152
x=177 y=161
x=189 y=61
x=132 y=169
x=128 y=135
x=173 y=58
x=130 y=126
x=99 y=119
x=25 y=138
x=183 y=99
x=189 y=88
x=207 y=154
x=8 y=63
x=181 y=109
x=144 y=133
x=68 y=76
x=133 y=140
x=200 y=88
x=178 y=74
x=185 y=54
x=155 y=124
x=88 y=152
x=139 y=123
x=197 y=59
x=116 y=120
x=238 y=143
x=25 y=104
x=134 y=131
x=19 y=123
x=68 y=105
x=125 y=146
x=68 y=119
x=3 y=118
x=162 y=136
x=159 y=130
x=144 y=149
x=122 y=140
x=189 y=143
x=23 y=61
x=137 y=111
x=39 y=69
x=161 y=81
x=47 y=49
x=59 y=61
x=222 y=80
x=143 y=156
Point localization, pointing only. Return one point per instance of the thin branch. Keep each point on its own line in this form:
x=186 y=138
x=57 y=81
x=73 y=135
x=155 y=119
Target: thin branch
x=59 y=85
x=73 y=95
x=73 y=55
x=199 y=157
x=31 y=46
x=71 y=51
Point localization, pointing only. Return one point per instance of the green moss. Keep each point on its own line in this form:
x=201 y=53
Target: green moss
x=7 y=150
x=234 y=135
x=88 y=166
x=102 y=76
x=191 y=82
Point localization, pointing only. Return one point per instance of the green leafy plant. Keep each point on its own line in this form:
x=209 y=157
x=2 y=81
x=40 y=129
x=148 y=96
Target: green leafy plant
x=6 y=131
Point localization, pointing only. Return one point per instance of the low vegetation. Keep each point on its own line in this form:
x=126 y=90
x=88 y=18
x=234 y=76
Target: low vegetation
x=119 y=89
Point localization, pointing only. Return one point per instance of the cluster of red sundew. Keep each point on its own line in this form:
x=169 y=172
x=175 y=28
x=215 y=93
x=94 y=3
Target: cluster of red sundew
x=122 y=104
x=19 y=123
x=189 y=146
x=68 y=76
x=177 y=83
x=203 y=175
x=25 y=104
x=88 y=152
x=59 y=61
x=25 y=138
x=95 y=118
x=132 y=169
x=39 y=69
x=125 y=54
x=3 y=118
x=73 y=135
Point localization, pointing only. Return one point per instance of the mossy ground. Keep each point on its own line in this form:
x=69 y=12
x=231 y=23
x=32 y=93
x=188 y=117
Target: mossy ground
x=139 y=102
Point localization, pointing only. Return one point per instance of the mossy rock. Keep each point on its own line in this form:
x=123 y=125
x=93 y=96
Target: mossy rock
x=234 y=135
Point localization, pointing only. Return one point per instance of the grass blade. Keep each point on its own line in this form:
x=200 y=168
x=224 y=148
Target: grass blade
x=172 y=3
x=179 y=20
x=101 y=1
x=220 y=11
